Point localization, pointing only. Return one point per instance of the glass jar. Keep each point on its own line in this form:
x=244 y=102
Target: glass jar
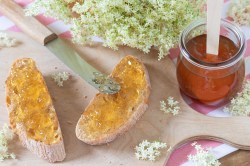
x=211 y=82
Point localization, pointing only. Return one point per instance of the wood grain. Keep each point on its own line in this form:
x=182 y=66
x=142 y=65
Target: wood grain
x=239 y=157
x=70 y=101
x=29 y=25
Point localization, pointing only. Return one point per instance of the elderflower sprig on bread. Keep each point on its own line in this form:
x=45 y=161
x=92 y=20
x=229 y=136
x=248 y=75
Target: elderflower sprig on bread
x=149 y=150
x=6 y=135
x=171 y=106
x=240 y=105
x=138 y=24
x=203 y=157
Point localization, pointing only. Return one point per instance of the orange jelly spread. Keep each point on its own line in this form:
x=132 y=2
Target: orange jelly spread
x=210 y=86
x=107 y=113
x=30 y=102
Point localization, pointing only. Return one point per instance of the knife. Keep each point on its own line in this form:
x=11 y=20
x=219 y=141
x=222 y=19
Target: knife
x=66 y=54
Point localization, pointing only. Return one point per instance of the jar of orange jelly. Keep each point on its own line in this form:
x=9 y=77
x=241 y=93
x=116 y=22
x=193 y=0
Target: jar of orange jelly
x=211 y=79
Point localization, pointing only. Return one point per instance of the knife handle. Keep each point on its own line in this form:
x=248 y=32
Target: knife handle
x=28 y=24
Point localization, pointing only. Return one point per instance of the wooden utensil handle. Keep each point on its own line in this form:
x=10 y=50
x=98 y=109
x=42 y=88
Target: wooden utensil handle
x=231 y=130
x=28 y=24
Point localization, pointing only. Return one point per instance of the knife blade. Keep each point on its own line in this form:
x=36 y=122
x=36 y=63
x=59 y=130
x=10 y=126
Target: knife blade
x=58 y=47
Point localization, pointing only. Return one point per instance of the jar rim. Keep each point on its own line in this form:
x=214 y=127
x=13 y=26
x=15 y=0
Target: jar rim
x=213 y=66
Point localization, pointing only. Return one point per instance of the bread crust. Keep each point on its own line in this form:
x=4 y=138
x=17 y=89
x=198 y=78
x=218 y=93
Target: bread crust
x=139 y=110
x=53 y=152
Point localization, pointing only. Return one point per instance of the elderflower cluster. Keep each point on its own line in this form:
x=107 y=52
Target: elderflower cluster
x=240 y=105
x=240 y=11
x=5 y=136
x=6 y=41
x=60 y=77
x=58 y=9
x=203 y=157
x=171 y=106
x=149 y=150
x=135 y=23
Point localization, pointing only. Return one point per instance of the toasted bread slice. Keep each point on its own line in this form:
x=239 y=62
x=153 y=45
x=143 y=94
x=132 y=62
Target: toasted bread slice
x=31 y=112
x=108 y=116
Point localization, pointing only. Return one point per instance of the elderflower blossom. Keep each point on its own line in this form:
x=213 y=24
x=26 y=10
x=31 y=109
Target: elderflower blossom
x=203 y=157
x=149 y=150
x=171 y=106
x=240 y=105
x=57 y=9
x=135 y=23
x=60 y=77
x=6 y=41
x=5 y=136
x=240 y=11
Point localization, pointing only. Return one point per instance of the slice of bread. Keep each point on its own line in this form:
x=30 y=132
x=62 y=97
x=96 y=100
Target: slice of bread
x=108 y=116
x=31 y=111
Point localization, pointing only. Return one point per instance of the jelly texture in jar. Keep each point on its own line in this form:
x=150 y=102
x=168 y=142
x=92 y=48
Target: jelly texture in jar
x=30 y=102
x=210 y=86
x=107 y=113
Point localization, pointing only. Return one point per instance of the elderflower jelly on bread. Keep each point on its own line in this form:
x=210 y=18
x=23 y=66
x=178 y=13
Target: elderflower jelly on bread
x=30 y=103
x=211 y=79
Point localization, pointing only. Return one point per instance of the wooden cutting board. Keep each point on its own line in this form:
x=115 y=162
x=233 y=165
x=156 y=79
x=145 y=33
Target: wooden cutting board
x=71 y=99
x=240 y=157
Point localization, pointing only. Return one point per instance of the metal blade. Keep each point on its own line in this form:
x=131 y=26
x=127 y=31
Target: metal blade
x=72 y=59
